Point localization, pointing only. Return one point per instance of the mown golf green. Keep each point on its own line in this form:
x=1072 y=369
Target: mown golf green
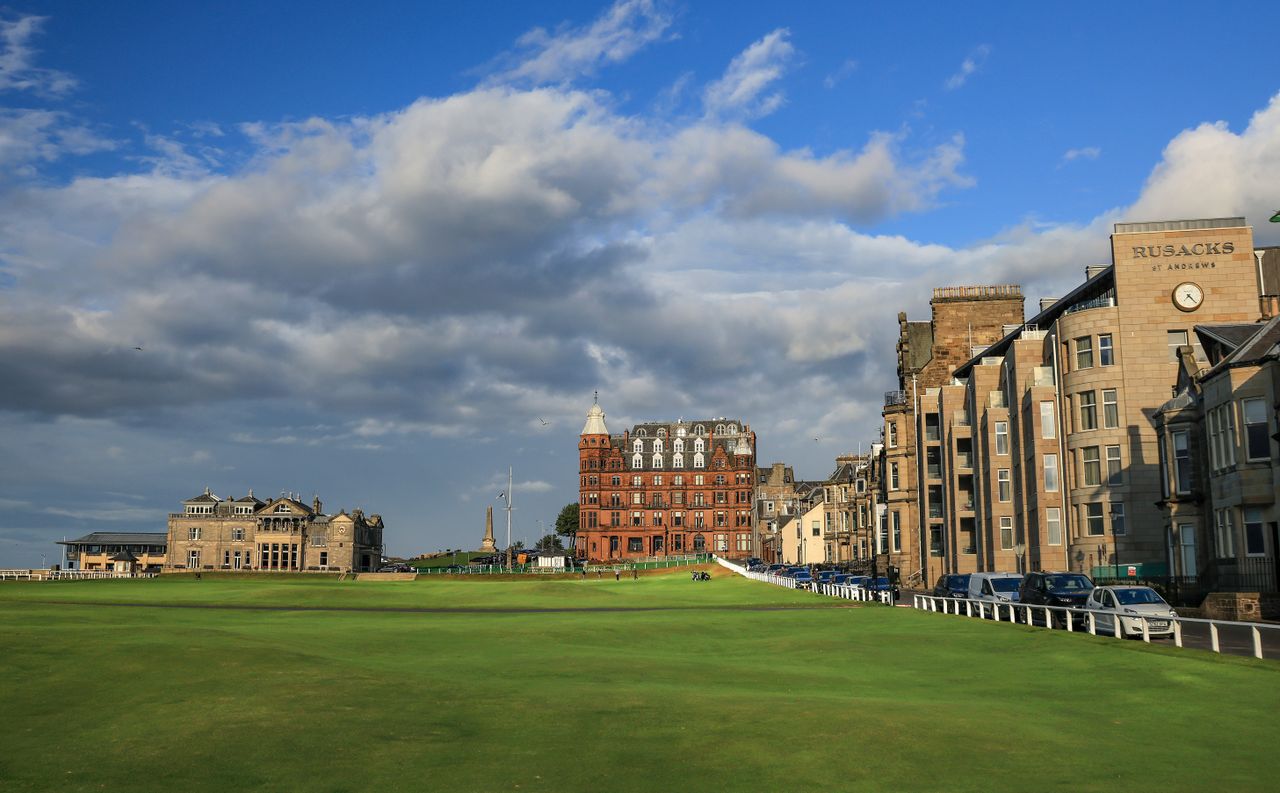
x=726 y=684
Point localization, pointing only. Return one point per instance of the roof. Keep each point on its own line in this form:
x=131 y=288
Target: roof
x=1232 y=335
x=123 y=556
x=120 y=538
x=595 y=421
x=1263 y=344
x=204 y=498
x=1092 y=287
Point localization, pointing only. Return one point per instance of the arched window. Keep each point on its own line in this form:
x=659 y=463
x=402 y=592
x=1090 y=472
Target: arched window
x=698 y=429
x=657 y=446
x=637 y=461
x=697 y=460
x=677 y=460
x=732 y=429
x=641 y=432
x=638 y=446
x=719 y=429
x=657 y=461
x=699 y=542
x=662 y=432
x=680 y=432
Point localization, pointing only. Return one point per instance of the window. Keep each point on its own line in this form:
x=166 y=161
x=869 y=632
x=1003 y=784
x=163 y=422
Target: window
x=698 y=444
x=1090 y=467
x=193 y=533
x=1224 y=543
x=1088 y=402
x=744 y=542
x=318 y=541
x=615 y=480
x=1053 y=521
x=1051 y=473
x=1048 y=426
x=1114 y=474
x=637 y=518
x=237 y=535
x=1002 y=437
x=1084 y=352
x=1106 y=356
x=657 y=479
x=193 y=560
x=678 y=480
x=1093 y=520
x=1176 y=339
x=697 y=460
x=1181 y=463
x=1006 y=533
x=699 y=479
x=282 y=509
x=722 y=542
x=1005 y=485
x=1110 y=409
x=677 y=460
x=657 y=461
x=226 y=558
x=816 y=528
x=893 y=476
x=635 y=544
x=637 y=461
x=1256 y=441
x=1254 y=544
x=324 y=558
x=893 y=435
x=637 y=498
x=896 y=536
x=657 y=446
x=1117 y=518
x=677 y=445
x=637 y=446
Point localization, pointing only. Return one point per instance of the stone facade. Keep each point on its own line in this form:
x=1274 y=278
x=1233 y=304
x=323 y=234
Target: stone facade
x=279 y=535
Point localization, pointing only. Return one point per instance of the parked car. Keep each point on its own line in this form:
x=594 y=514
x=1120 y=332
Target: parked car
x=826 y=576
x=1056 y=589
x=802 y=577
x=777 y=568
x=880 y=584
x=397 y=568
x=1129 y=605
x=994 y=587
x=952 y=585
x=859 y=581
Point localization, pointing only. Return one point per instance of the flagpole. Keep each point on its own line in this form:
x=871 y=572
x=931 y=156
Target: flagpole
x=509 y=475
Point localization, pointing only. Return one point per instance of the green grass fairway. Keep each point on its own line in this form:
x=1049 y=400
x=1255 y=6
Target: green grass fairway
x=686 y=698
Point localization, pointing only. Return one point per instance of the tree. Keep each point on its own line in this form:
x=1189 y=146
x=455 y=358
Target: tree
x=567 y=522
x=550 y=542
x=517 y=545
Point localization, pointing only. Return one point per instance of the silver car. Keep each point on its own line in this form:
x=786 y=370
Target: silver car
x=1130 y=605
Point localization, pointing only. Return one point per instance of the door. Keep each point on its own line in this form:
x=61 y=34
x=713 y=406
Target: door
x=1187 y=550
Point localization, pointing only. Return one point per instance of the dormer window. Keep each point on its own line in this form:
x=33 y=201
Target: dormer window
x=677 y=445
x=677 y=460
x=698 y=462
x=719 y=429
x=698 y=429
x=662 y=432
x=637 y=446
x=698 y=445
x=732 y=429
x=637 y=461
x=657 y=446
x=642 y=432
x=657 y=461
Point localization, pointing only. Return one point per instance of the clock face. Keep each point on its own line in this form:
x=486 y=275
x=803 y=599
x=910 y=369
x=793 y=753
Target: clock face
x=1188 y=296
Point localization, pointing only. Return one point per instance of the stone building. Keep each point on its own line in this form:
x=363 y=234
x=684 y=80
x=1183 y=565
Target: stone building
x=279 y=535
x=665 y=488
x=964 y=318
x=775 y=504
x=1059 y=419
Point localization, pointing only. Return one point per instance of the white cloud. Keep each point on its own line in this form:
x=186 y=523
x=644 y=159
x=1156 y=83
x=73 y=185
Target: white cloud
x=29 y=137
x=968 y=67
x=17 y=70
x=1083 y=153
x=840 y=73
x=625 y=28
x=741 y=90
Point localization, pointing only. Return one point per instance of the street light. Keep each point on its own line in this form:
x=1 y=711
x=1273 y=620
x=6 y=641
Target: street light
x=1020 y=549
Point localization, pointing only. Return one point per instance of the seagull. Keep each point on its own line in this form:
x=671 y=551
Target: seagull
x=544 y=422
x=139 y=349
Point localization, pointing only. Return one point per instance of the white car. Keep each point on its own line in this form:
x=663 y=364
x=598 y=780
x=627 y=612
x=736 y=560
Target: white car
x=1130 y=604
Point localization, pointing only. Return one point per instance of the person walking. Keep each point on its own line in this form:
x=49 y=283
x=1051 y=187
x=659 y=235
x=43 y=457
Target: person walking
x=617 y=574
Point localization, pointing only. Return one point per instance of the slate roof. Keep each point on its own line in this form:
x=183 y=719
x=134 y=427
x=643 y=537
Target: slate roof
x=120 y=538
x=1261 y=345
x=204 y=498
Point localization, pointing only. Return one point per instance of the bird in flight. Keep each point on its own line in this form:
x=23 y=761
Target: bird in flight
x=139 y=349
x=544 y=422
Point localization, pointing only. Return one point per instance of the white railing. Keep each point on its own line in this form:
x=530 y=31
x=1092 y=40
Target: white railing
x=1024 y=613
x=843 y=591
x=64 y=575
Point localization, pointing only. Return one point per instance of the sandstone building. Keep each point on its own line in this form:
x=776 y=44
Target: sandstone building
x=279 y=535
x=665 y=488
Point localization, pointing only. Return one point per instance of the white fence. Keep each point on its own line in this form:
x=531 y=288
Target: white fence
x=1067 y=618
x=830 y=590
x=66 y=575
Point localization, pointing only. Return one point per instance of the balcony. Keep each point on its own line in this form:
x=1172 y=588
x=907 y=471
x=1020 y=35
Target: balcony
x=892 y=398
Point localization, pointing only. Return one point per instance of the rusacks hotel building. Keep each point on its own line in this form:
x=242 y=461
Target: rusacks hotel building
x=279 y=535
x=1071 y=440
x=662 y=489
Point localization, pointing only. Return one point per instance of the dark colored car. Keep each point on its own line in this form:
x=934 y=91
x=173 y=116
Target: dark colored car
x=880 y=584
x=826 y=576
x=953 y=585
x=1055 y=589
x=777 y=568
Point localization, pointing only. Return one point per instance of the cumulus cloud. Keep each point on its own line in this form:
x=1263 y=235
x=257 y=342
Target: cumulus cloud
x=746 y=87
x=968 y=67
x=571 y=52
x=31 y=136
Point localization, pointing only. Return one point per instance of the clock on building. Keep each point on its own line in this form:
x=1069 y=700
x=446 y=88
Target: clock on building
x=1188 y=296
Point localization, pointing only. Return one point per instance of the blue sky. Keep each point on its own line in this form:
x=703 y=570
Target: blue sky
x=369 y=249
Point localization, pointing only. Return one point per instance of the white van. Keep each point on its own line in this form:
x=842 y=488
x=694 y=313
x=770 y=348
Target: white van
x=994 y=587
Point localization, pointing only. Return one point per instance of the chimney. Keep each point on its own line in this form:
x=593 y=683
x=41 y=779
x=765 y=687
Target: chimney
x=1047 y=302
x=1092 y=270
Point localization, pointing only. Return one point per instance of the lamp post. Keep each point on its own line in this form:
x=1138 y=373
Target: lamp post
x=1020 y=549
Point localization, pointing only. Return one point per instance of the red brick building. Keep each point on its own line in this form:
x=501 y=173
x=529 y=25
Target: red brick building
x=665 y=489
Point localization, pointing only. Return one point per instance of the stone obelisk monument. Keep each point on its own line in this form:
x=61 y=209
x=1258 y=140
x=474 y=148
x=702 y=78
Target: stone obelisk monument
x=487 y=545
